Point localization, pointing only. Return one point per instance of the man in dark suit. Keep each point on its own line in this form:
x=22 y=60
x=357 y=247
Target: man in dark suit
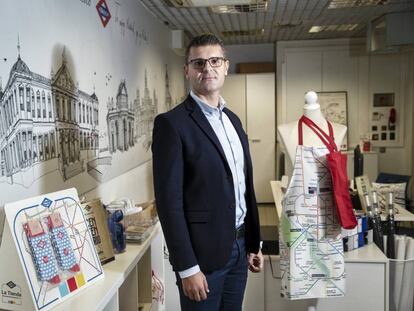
x=203 y=184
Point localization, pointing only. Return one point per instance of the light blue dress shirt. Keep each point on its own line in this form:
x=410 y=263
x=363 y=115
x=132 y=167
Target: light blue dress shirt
x=233 y=150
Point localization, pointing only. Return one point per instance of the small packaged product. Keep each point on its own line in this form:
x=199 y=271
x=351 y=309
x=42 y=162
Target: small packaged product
x=41 y=251
x=61 y=243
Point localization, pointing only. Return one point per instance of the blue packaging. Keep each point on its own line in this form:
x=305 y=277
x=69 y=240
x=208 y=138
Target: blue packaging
x=364 y=223
x=361 y=239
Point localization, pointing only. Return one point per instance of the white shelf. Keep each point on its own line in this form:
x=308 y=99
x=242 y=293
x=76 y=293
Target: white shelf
x=103 y=295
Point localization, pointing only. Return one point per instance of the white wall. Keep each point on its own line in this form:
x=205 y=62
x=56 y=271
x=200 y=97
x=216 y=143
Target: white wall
x=133 y=43
x=135 y=184
x=344 y=65
x=249 y=53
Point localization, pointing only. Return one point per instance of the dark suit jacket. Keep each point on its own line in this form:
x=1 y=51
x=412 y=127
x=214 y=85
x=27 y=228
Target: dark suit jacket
x=194 y=189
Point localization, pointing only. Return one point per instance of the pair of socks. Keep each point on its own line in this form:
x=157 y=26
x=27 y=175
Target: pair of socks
x=47 y=248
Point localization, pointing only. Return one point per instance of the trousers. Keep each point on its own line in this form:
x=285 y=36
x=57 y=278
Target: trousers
x=226 y=285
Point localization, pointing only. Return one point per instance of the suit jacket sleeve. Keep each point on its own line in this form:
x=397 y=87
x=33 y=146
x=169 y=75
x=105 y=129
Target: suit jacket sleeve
x=168 y=171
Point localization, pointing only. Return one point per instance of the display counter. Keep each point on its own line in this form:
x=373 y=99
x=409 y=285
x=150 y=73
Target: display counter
x=366 y=285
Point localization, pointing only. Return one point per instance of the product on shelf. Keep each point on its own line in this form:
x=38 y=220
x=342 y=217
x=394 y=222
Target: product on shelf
x=41 y=251
x=97 y=219
x=117 y=231
x=61 y=243
x=140 y=224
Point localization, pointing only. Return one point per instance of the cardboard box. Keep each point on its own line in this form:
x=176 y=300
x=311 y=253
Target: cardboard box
x=260 y=67
x=96 y=218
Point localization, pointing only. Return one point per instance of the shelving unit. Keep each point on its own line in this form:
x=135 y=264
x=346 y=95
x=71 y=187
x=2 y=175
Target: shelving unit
x=128 y=280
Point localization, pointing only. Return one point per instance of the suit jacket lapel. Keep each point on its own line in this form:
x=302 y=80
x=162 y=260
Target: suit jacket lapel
x=205 y=126
x=240 y=132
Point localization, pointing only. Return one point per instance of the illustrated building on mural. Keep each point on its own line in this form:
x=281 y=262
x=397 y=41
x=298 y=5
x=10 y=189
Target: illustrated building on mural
x=43 y=119
x=145 y=112
x=121 y=121
x=137 y=102
x=168 y=99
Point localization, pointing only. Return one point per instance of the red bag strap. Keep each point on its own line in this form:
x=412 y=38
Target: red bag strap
x=328 y=140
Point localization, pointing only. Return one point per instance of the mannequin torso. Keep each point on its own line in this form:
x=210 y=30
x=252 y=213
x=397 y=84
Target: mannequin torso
x=288 y=132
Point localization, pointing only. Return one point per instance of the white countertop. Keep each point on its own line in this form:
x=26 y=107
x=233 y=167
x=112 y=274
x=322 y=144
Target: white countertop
x=401 y=214
x=368 y=253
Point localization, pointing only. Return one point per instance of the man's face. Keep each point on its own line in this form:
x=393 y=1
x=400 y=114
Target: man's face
x=207 y=80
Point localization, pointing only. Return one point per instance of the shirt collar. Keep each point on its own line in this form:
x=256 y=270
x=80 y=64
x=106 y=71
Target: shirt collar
x=206 y=108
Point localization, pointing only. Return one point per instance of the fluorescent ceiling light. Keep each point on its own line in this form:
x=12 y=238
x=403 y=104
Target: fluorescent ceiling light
x=239 y=8
x=219 y=2
x=206 y=3
x=330 y=28
x=339 y=4
x=315 y=29
x=240 y=33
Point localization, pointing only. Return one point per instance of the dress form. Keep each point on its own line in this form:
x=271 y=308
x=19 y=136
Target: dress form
x=288 y=132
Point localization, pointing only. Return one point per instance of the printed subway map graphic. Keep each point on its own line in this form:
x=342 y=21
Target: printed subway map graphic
x=49 y=124
x=311 y=252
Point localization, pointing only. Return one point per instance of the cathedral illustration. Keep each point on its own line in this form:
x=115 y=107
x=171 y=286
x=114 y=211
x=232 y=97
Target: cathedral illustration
x=121 y=121
x=46 y=118
x=146 y=109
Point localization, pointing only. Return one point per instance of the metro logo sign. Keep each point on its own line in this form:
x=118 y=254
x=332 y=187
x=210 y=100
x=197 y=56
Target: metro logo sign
x=103 y=12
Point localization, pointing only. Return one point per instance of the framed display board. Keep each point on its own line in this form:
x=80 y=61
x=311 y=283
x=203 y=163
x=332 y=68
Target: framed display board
x=47 y=254
x=386 y=123
x=334 y=107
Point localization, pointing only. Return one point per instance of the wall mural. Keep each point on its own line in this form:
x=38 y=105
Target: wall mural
x=79 y=100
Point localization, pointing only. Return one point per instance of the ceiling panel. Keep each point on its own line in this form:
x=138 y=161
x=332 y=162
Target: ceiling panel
x=283 y=20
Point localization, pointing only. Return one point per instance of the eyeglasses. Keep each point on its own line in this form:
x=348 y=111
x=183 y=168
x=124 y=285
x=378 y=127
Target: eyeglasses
x=199 y=63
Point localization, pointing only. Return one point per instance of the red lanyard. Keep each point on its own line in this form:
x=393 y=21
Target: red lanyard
x=328 y=140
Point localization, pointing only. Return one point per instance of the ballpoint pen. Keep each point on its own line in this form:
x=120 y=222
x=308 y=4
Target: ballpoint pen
x=391 y=227
x=377 y=217
x=373 y=223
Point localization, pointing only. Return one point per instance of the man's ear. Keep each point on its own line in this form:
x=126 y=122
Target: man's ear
x=227 y=64
x=186 y=71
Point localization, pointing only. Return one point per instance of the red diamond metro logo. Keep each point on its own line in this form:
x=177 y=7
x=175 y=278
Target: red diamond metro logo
x=103 y=12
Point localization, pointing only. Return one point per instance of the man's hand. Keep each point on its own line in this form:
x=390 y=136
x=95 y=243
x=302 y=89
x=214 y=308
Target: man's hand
x=195 y=286
x=255 y=261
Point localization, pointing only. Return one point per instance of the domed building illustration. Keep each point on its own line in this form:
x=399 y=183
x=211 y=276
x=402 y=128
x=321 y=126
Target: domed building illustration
x=45 y=118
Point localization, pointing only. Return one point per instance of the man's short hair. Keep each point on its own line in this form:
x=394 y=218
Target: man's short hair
x=203 y=40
